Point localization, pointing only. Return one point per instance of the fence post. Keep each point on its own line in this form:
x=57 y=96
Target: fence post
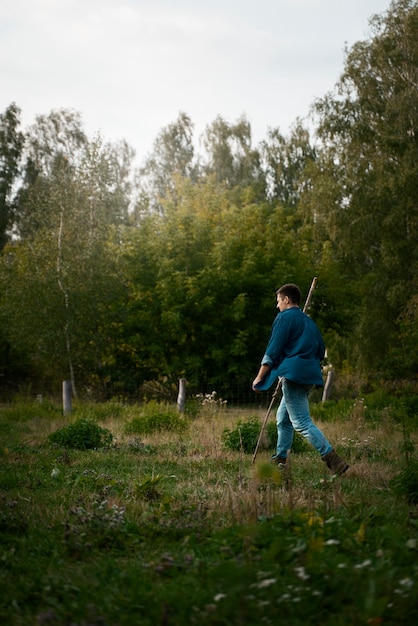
x=181 y=398
x=67 y=396
x=328 y=385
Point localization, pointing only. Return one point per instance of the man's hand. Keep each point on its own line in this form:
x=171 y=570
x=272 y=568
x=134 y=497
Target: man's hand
x=255 y=382
x=262 y=373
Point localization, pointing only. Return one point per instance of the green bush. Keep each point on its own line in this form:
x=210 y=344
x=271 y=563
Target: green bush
x=332 y=410
x=83 y=434
x=406 y=483
x=245 y=436
x=155 y=417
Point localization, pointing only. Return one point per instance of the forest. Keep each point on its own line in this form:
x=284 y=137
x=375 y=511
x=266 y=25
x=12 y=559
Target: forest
x=116 y=275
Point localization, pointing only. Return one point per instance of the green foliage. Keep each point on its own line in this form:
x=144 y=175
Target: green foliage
x=231 y=159
x=83 y=434
x=365 y=184
x=183 y=285
x=100 y=411
x=372 y=407
x=66 y=256
x=171 y=157
x=156 y=417
x=148 y=488
x=332 y=410
x=77 y=548
x=21 y=411
x=245 y=435
x=406 y=482
x=99 y=526
x=287 y=161
x=11 y=145
x=198 y=270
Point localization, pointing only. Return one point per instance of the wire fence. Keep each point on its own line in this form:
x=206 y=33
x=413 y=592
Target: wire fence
x=233 y=392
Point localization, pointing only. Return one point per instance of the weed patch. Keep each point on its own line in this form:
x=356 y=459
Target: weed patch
x=156 y=417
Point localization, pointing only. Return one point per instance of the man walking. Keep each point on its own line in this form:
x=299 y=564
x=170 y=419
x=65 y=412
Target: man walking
x=294 y=353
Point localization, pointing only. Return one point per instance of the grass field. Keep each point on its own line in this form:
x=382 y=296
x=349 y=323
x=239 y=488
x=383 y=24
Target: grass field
x=164 y=524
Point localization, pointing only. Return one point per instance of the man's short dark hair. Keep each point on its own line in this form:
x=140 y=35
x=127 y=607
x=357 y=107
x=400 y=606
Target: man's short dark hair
x=291 y=291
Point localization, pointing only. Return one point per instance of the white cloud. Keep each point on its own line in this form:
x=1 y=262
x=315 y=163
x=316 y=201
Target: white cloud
x=130 y=66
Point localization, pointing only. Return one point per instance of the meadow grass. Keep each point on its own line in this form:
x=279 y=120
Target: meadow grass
x=168 y=526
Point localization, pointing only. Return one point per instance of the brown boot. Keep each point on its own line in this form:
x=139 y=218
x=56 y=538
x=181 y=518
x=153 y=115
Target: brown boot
x=278 y=460
x=335 y=463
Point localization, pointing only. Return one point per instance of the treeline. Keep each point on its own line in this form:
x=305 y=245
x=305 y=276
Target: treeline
x=113 y=275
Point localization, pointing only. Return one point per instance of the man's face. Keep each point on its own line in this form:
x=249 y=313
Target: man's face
x=282 y=302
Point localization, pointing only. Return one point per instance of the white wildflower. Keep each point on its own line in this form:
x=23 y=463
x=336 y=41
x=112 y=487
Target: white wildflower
x=300 y=572
x=264 y=583
x=219 y=596
x=365 y=563
x=406 y=582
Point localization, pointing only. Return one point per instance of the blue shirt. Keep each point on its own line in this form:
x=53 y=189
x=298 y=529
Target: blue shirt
x=295 y=350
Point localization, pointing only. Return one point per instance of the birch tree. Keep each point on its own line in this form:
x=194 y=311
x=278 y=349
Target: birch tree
x=11 y=144
x=72 y=211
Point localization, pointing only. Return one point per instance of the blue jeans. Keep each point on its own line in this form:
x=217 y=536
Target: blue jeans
x=293 y=414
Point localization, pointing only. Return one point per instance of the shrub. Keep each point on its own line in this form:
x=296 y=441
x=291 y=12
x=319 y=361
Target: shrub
x=245 y=436
x=155 y=417
x=83 y=434
x=332 y=410
x=406 y=483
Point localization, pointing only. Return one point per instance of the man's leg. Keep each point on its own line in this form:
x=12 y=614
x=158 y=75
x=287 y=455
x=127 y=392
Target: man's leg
x=297 y=405
x=284 y=433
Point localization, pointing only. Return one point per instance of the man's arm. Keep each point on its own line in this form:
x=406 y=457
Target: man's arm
x=262 y=373
x=278 y=338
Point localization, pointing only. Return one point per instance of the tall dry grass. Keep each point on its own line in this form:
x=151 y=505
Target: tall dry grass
x=229 y=487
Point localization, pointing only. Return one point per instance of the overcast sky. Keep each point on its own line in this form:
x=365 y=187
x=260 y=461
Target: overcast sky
x=130 y=66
